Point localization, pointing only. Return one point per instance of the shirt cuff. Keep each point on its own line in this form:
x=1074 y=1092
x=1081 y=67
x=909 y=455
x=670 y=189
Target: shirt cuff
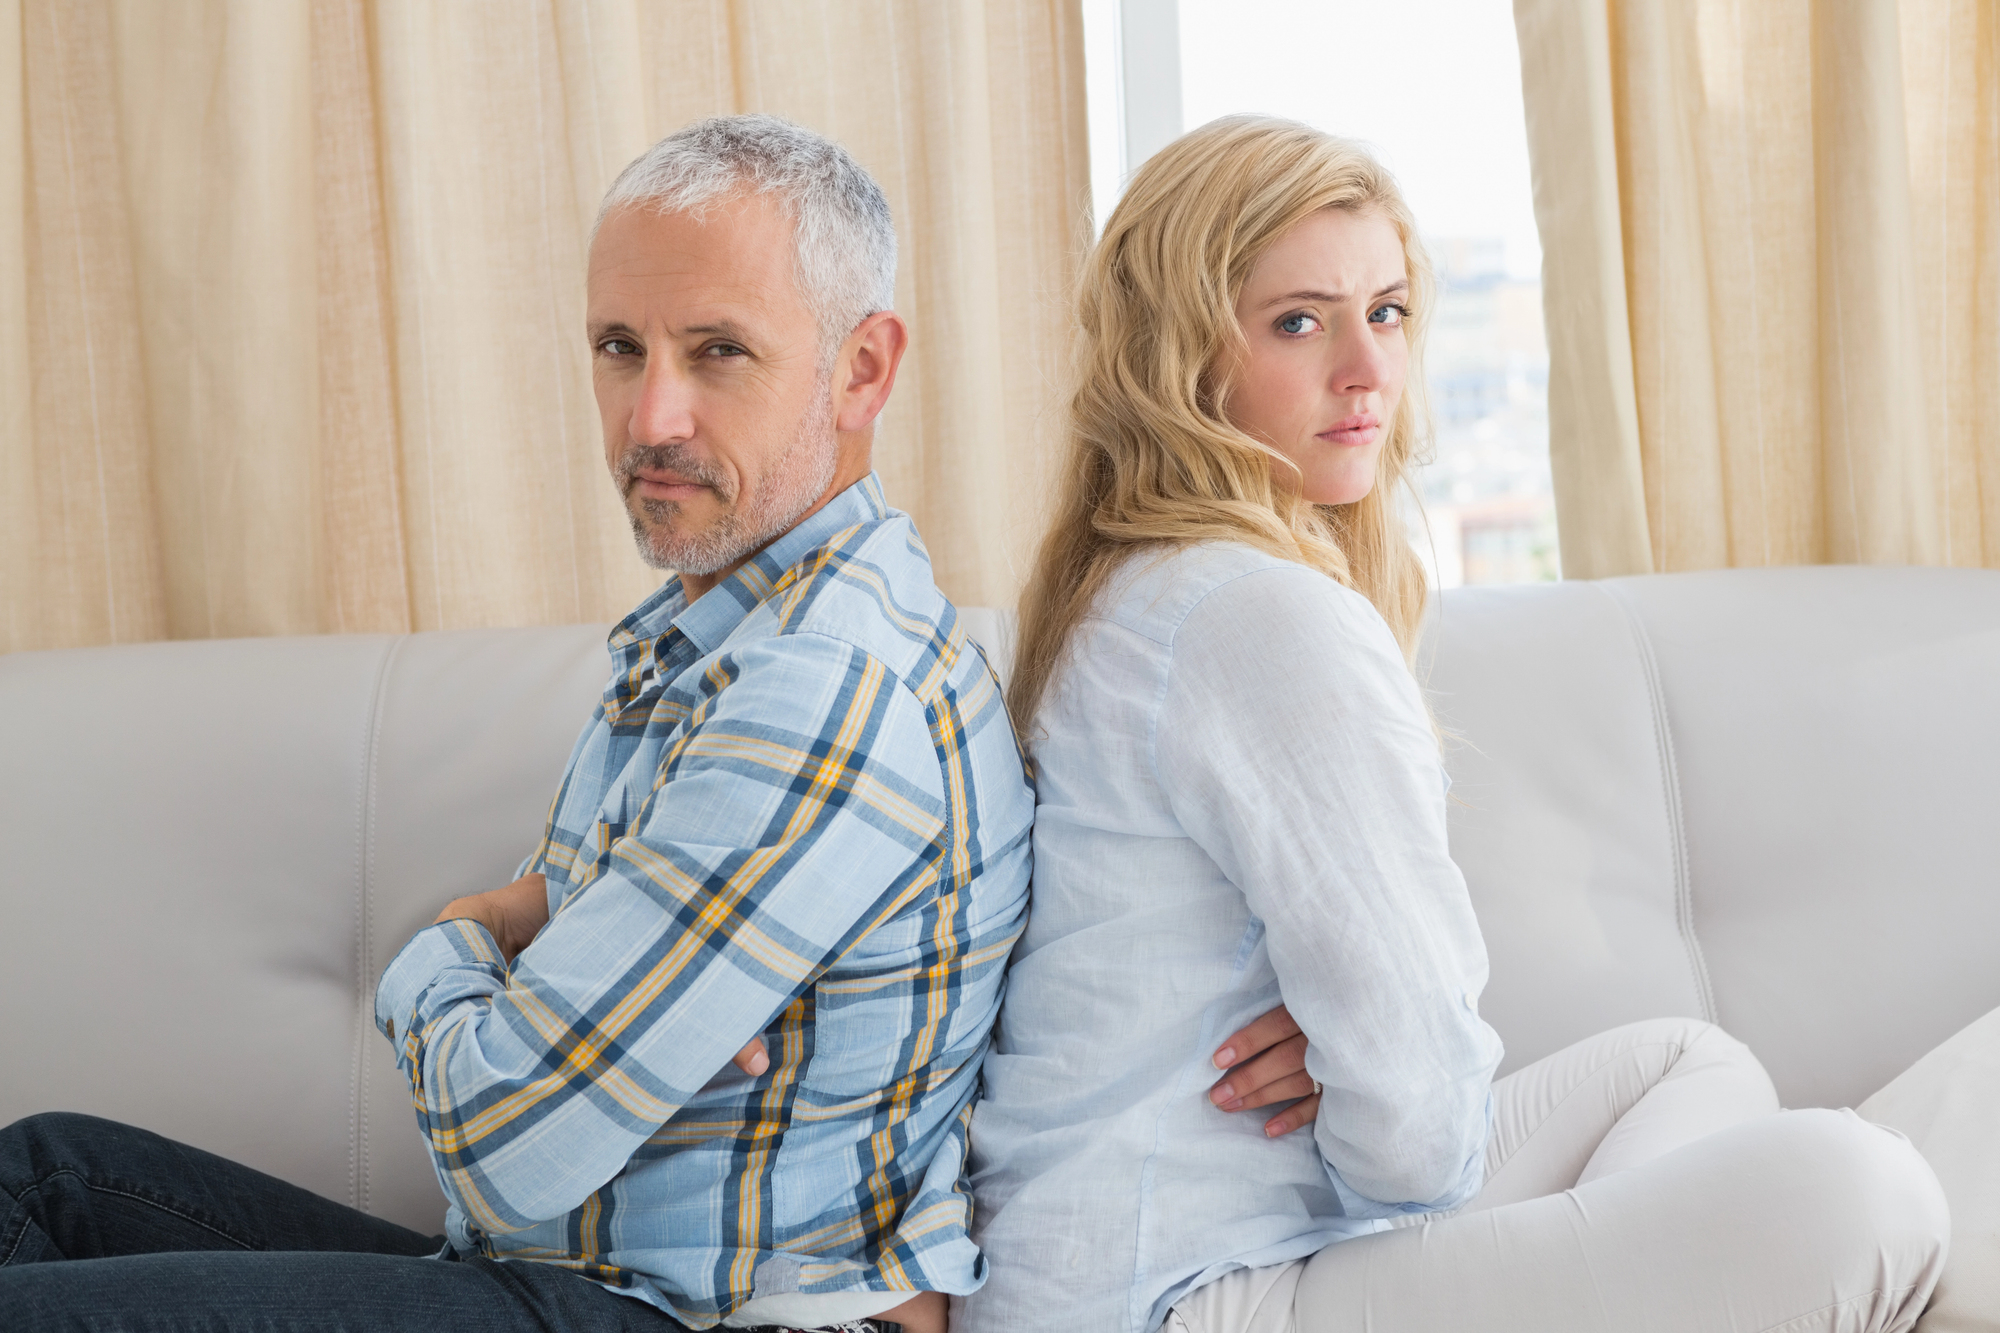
x=431 y=953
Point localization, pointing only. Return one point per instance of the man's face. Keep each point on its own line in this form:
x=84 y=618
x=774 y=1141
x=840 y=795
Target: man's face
x=718 y=421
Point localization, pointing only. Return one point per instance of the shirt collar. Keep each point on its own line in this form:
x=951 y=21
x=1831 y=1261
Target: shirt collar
x=715 y=614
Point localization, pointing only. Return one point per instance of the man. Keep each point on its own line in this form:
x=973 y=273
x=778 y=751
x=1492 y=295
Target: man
x=794 y=831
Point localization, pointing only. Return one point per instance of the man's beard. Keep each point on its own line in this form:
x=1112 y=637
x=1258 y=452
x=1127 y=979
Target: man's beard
x=788 y=486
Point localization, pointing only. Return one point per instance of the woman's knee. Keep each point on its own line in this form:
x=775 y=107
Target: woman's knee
x=1688 y=1046
x=1698 y=1041
x=1870 y=1178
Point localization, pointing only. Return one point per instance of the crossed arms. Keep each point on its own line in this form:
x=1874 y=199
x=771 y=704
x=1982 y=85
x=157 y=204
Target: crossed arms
x=1265 y=1062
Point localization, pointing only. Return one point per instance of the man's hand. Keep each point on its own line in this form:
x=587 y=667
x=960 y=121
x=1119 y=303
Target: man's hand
x=515 y=914
x=1267 y=1063
x=751 y=1059
x=512 y=915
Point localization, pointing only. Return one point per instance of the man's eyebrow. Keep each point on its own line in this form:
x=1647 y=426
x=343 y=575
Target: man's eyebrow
x=723 y=328
x=1335 y=298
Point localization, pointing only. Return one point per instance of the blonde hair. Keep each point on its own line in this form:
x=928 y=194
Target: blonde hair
x=1153 y=460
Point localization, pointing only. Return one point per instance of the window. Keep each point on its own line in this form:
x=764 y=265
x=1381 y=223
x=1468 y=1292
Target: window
x=1434 y=87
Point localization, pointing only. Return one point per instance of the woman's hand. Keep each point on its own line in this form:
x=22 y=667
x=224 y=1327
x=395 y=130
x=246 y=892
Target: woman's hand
x=1267 y=1063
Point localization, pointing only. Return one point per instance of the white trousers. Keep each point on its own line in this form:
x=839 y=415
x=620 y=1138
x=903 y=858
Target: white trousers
x=1641 y=1181
x=1948 y=1103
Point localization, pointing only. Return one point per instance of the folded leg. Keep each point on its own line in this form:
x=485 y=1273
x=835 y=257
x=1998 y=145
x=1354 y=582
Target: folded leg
x=77 y=1187
x=289 y=1291
x=1801 y=1222
x=1615 y=1100
x=1806 y=1222
x=105 y=1227
x=1949 y=1105
x=1639 y=1180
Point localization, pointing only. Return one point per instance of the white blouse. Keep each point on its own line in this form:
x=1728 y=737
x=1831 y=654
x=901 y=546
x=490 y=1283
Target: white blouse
x=1240 y=801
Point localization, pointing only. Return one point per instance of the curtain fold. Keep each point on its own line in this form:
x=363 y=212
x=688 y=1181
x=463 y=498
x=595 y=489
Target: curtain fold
x=1771 y=232
x=291 y=291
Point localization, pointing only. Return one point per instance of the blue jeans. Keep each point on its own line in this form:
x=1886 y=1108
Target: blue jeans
x=104 y=1227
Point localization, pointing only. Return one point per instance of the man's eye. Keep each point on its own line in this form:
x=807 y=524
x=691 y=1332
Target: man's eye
x=618 y=347
x=1391 y=314
x=1298 y=322
x=723 y=349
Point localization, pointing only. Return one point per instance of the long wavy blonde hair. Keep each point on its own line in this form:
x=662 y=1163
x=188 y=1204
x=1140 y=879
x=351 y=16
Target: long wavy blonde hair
x=1153 y=460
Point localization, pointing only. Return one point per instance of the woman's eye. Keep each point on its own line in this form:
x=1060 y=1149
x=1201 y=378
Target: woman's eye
x=1391 y=315
x=1298 y=322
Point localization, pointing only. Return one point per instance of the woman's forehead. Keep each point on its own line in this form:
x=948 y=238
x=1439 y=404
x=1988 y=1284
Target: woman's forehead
x=1334 y=252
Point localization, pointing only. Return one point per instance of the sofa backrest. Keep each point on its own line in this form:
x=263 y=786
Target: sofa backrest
x=1764 y=797
x=212 y=849
x=1757 y=796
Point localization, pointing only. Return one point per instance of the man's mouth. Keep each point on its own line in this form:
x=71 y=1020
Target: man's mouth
x=667 y=474
x=665 y=486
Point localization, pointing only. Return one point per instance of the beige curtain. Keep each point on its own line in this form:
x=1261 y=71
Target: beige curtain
x=291 y=291
x=1771 y=235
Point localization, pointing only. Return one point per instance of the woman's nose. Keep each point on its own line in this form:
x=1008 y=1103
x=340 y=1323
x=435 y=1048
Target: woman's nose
x=1360 y=362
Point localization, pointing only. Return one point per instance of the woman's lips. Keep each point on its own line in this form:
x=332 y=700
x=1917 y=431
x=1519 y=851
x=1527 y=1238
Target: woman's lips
x=1354 y=430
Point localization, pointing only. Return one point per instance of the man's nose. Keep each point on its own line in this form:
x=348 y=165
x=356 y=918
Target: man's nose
x=664 y=411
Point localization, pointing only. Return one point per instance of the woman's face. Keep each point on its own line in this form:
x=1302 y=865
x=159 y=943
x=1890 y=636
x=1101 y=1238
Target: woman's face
x=1322 y=315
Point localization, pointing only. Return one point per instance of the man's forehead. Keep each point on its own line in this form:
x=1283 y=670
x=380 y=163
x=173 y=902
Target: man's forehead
x=681 y=267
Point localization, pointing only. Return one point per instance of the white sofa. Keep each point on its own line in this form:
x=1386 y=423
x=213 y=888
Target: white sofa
x=1766 y=797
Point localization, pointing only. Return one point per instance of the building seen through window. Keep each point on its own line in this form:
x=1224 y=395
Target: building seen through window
x=1487 y=498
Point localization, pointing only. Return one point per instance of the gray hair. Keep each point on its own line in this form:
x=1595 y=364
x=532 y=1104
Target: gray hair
x=845 y=245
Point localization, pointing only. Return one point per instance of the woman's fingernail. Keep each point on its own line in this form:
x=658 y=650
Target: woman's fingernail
x=1221 y=1093
x=1233 y=1104
x=1273 y=1128
x=1225 y=1057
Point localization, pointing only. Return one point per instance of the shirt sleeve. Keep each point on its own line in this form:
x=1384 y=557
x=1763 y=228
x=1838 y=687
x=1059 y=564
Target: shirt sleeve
x=1295 y=749
x=801 y=805
x=539 y=860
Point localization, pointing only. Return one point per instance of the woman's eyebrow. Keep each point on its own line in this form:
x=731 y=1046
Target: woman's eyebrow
x=1334 y=298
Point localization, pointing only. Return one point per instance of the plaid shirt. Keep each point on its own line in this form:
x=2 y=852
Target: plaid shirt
x=799 y=811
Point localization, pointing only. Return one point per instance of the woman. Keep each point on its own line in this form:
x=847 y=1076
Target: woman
x=1241 y=802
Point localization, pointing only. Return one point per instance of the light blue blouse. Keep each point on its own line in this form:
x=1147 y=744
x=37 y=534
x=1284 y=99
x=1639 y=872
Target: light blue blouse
x=1240 y=800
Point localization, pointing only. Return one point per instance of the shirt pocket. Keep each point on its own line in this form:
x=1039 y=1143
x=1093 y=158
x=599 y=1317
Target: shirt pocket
x=593 y=854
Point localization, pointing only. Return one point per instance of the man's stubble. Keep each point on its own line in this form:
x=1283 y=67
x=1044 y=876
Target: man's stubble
x=788 y=486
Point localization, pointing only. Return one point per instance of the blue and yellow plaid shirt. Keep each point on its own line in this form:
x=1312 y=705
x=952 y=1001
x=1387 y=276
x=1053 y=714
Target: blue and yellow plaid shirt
x=799 y=811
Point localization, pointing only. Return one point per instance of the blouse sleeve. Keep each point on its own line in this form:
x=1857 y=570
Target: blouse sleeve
x=1294 y=747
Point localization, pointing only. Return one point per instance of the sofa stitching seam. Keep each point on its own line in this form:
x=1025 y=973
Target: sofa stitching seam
x=1670 y=783
x=364 y=1009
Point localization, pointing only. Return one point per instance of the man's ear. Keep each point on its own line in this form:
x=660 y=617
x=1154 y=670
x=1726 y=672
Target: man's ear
x=865 y=371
